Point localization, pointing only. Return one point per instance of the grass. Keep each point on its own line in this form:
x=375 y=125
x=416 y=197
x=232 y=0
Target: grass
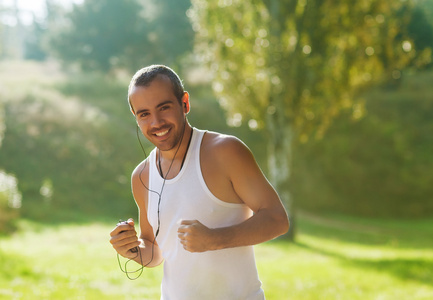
x=334 y=257
x=67 y=262
x=340 y=258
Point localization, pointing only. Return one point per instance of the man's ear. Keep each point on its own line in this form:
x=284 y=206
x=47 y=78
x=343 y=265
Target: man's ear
x=185 y=102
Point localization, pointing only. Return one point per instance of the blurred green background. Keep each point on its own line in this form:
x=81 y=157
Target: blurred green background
x=335 y=99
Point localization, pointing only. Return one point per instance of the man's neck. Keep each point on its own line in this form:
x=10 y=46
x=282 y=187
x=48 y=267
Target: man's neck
x=174 y=157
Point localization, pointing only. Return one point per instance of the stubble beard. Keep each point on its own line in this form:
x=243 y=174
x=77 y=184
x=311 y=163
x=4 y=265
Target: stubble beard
x=177 y=139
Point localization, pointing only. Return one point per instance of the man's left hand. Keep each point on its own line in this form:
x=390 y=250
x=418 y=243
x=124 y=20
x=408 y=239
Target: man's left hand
x=194 y=236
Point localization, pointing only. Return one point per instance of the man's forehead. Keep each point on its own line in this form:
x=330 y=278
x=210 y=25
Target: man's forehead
x=160 y=82
x=157 y=92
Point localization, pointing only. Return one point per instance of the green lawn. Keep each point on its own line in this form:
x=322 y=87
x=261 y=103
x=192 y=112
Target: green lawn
x=333 y=258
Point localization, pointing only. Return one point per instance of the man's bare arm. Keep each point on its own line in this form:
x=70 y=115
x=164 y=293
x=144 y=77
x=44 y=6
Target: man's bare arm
x=124 y=241
x=270 y=217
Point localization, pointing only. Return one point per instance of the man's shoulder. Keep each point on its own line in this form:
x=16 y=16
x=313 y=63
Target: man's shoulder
x=221 y=145
x=141 y=170
x=221 y=140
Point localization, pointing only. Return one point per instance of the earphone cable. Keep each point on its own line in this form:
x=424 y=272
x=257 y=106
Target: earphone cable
x=140 y=269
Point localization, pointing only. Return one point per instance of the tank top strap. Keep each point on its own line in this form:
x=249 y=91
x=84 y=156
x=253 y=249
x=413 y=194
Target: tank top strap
x=197 y=140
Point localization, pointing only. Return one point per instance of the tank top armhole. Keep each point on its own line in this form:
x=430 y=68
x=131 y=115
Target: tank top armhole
x=201 y=178
x=151 y=162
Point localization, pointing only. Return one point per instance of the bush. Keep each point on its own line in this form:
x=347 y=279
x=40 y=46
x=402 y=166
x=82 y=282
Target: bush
x=377 y=166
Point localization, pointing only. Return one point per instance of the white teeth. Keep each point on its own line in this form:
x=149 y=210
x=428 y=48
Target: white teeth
x=161 y=133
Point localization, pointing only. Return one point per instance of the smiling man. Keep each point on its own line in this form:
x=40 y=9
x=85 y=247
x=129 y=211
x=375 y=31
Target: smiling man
x=203 y=201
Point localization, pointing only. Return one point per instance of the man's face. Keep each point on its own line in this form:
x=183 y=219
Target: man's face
x=159 y=114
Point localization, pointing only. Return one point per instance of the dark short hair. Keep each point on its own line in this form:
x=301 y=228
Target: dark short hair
x=147 y=75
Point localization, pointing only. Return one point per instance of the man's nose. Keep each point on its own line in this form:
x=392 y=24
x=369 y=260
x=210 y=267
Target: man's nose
x=156 y=121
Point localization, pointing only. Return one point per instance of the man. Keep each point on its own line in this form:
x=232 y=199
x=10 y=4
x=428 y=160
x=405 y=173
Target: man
x=203 y=201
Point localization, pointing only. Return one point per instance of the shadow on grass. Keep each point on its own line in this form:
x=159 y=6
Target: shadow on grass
x=417 y=269
x=401 y=236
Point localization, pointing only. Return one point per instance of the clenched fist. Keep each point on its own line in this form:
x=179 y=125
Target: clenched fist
x=195 y=237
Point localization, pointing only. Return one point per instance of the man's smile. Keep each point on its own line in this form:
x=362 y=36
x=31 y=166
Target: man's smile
x=161 y=133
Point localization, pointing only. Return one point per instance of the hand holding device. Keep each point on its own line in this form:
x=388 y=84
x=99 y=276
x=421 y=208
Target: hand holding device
x=135 y=249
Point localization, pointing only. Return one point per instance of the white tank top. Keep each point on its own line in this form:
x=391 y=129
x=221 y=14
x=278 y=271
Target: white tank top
x=226 y=274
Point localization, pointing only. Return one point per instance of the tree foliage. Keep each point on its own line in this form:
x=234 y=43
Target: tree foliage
x=311 y=54
x=33 y=46
x=100 y=32
x=106 y=34
x=171 y=33
x=292 y=66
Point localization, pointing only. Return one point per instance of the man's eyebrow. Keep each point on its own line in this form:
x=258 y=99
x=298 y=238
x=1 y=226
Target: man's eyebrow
x=158 y=106
x=140 y=111
x=164 y=103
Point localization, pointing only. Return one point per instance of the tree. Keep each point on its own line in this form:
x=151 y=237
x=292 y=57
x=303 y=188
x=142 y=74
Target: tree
x=1 y=31
x=38 y=33
x=291 y=66
x=171 y=34
x=105 y=34
x=100 y=33
x=33 y=44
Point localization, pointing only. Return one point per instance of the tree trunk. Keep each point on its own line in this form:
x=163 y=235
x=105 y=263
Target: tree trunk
x=280 y=135
x=280 y=131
